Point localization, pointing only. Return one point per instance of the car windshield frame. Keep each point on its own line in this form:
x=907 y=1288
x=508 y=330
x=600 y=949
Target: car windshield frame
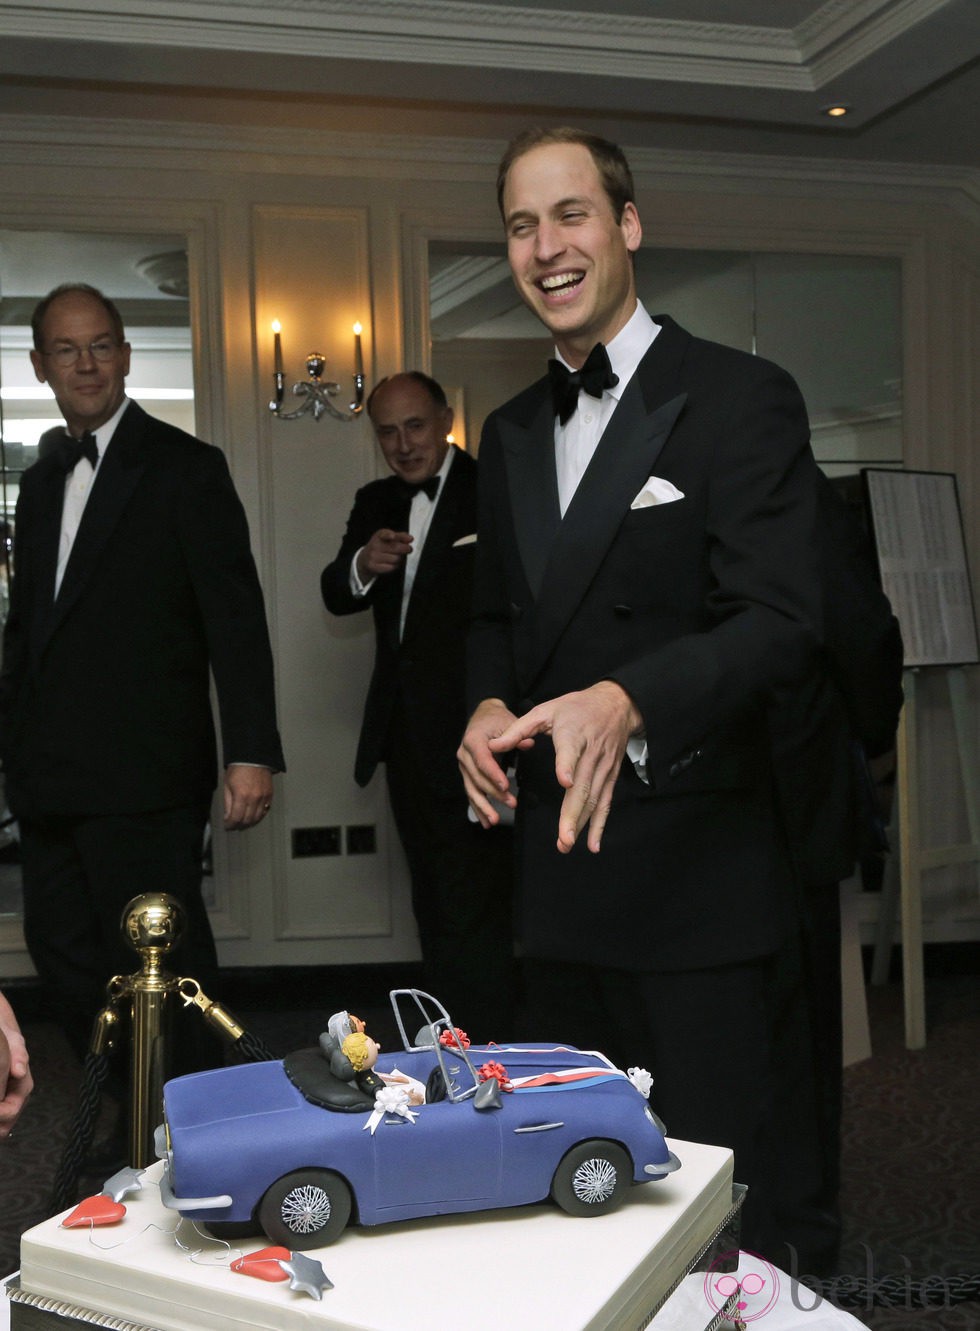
x=435 y=1020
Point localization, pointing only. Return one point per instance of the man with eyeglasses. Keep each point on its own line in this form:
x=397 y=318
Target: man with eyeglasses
x=133 y=581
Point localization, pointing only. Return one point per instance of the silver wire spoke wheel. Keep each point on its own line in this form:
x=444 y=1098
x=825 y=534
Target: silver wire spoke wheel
x=306 y=1210
x=594 y=1181
x=592 y=1178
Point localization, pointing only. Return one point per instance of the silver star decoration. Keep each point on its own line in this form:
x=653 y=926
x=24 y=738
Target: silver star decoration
x=306 y=1274
x=123 y=1183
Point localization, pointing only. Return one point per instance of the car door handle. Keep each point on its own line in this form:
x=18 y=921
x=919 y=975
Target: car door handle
x=540 y=1127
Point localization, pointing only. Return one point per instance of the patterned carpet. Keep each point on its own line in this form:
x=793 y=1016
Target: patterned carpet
x=911 y=1164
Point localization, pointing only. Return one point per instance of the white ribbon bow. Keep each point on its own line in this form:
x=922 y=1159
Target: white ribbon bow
x=641 y=1079
x=390 y=1100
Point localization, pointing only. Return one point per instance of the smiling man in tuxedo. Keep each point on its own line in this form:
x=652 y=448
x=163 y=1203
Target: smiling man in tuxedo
x=646 y=578
x=407 y=555
x=133 y=583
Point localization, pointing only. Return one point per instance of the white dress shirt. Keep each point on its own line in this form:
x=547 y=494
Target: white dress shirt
x=578 y=438
x=419 y=520
x=576 y=441
x=78 y=486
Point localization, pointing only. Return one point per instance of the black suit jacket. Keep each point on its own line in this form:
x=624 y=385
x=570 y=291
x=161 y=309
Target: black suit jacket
x=104 y=698
x=424 y=671
x=699 y=607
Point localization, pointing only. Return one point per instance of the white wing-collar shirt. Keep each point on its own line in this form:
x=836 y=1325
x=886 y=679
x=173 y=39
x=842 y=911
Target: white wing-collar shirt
x=577 y=439
x=78 y=487
x=419 y=519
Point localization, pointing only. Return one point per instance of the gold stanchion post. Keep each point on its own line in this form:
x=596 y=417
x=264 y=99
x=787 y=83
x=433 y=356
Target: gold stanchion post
x=152 y=925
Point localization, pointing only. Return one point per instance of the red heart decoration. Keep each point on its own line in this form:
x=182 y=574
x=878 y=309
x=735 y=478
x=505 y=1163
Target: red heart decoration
x=97 y=1210
x=264 y=1264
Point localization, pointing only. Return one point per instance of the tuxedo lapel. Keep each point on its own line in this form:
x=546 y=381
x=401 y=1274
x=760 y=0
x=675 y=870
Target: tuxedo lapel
x=625 y=457
x=386 y=595
x=43 y=521
x=118 y=475
x=49 y=502
x=443 y=526
x=532 y=483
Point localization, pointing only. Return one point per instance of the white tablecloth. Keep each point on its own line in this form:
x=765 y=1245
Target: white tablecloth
x=770 y=1297
x=771 y=1300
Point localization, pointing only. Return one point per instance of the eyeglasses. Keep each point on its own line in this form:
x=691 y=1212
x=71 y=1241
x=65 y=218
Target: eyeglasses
x=67 y=354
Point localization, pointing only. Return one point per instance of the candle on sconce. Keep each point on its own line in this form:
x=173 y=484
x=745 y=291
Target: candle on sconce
x=358 y=356
x=277 y=346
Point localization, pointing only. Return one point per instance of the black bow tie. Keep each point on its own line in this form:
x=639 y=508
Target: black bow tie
x=409 y=489
x=594 y=376
x=70 y=450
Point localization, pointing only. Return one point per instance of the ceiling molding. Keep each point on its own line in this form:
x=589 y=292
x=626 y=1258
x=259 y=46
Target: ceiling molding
x=479 y=36
x=899 y=65
x=838 y=36
x=466 y=276
x=840 y=47
x=167 y=143
x=859 y=28
x=233 y=27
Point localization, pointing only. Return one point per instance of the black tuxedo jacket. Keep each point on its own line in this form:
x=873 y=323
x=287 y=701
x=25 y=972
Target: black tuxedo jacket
x=423 y=674
x=699 y=607
x=104 y=697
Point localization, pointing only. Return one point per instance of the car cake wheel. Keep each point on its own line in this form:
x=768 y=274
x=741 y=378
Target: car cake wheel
x=306 y=1209
x=592 y=1178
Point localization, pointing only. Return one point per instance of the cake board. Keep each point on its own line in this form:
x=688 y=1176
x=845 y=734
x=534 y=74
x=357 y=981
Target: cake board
x=530 y=1265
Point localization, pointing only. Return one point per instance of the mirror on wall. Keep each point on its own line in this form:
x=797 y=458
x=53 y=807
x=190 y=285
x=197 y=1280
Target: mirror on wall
x=834 y=321
x=146 y=275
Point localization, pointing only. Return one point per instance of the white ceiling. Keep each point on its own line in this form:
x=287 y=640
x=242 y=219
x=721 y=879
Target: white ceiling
x=739 y=75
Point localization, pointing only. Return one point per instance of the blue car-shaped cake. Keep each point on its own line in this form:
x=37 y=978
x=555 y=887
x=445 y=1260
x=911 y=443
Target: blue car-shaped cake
x=301 y=1147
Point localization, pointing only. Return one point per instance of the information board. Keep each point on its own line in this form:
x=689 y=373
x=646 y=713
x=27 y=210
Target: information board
x=918 y=536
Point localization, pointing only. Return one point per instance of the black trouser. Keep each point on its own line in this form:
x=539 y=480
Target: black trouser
x=462 y=896
x=78 y=875
x=712 y=1042
x=809 y=1057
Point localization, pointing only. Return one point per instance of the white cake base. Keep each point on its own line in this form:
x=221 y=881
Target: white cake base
x=524 y=1267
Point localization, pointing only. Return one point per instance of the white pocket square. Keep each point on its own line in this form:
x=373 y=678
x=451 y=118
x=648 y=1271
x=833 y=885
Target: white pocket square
x=465 y=540
x=656 y=491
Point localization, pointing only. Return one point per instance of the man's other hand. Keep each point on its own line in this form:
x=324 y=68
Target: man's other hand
x=485 y=780
x=248 y=795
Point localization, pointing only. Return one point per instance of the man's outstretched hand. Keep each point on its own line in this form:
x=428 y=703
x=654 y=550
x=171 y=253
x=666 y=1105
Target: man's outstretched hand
x=590 y=730
x=384 y=553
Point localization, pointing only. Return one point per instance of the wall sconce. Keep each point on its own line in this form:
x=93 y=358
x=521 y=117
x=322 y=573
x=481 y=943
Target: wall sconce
x=316 y=391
